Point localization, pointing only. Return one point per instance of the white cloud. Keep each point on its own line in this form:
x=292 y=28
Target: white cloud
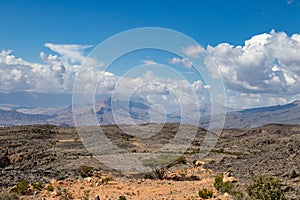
x=55 y=74
x=158 y=90
x=264 y=71
x=186 y=63
x=268 y=64
x=149 y=62
x=71 y=53
x=193 y=51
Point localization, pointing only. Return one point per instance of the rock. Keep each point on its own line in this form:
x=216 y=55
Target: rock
x=97 y=197
x=225 y=196
x=198 y=163
x=52 y=181
x=228 y=178
x=193 y=178
x=88 y=179
x=30 y=190
x=4 y=161
x=54 y=193
x=112 y=183
x=292 y=174
x=12 y=189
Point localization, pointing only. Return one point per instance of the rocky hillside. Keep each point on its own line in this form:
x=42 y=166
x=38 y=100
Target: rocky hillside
x=41 y=153
x=255 y=117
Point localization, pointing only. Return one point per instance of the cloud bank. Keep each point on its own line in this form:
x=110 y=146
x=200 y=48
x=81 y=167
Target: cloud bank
x=264 y=71
x=266 y=67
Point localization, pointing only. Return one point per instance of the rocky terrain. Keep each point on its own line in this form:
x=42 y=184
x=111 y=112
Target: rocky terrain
x=55 y=155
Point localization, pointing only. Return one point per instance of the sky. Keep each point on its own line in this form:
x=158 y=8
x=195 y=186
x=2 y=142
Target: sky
x=254 y=45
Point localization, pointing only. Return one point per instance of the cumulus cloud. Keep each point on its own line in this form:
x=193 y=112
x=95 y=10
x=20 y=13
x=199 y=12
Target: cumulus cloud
x=267 y=64
x=193 y=51
x=158 y=90
x=186 y=63
x=265 y=68
x=263 y=71
x=18 y=74
x=55 y=74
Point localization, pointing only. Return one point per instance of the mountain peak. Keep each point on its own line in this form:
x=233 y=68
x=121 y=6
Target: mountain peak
x=297 y=102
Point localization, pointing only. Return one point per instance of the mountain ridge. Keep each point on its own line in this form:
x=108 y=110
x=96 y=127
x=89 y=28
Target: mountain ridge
x=139 y=111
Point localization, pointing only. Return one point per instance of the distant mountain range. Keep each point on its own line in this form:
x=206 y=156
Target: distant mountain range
x=255 y=117
x=139 y=111
x=34 y=99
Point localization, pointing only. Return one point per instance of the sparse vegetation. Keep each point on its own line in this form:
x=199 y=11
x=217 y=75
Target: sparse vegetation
x=228 y=187
x=205 y=193
x=107 y=179
x=86 y=195
x=66 y=195
x=221 y=186
x=22 y=187
x=266 y=189
x=222 y=151
x=122 y=198
x=37 y=186
x=192 y=151
x=50 y=188
x=223 y=159
x=85 y=171
x=160 y=172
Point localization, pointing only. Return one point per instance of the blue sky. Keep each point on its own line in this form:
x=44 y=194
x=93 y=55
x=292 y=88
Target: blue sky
x=255 y=45
x=27 y=25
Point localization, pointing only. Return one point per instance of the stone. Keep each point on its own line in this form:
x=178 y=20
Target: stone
x=52 y=181
x=228 y=178
x=198 y=163
x=4 y=161
x=88 y=179
x=112 y=183
x=292 y=174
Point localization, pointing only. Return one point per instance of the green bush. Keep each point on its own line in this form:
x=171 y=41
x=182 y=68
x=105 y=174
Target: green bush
x=180 y=160
x=266 y=189
x=162 y=165
x=205 y=193
x=107 y=179
x=50 y=188
x=223 y=187
x=85 y=171
x=65 y=195
x=122 y=198
x=22 y=187
x=37 y=186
